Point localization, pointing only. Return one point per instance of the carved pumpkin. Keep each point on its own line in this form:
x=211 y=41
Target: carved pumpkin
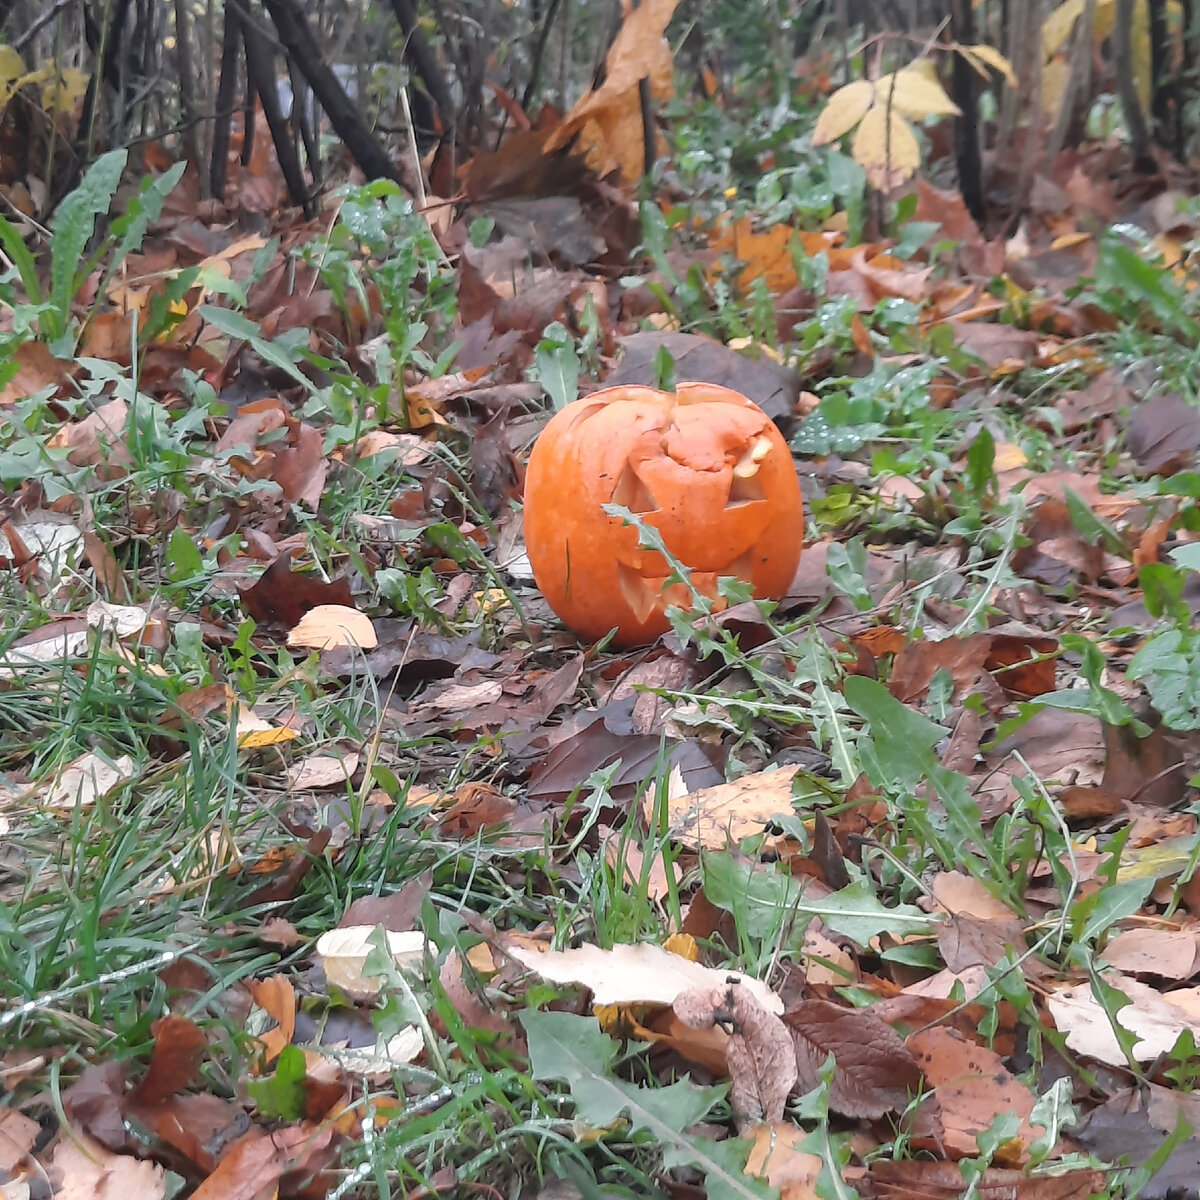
x=704 y=465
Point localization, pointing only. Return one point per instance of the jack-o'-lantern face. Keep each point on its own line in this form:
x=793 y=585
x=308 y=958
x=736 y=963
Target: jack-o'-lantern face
x=703 y=465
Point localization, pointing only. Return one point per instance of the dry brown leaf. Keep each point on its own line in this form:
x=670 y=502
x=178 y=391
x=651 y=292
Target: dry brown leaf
x=962 y=895
x=257 y=1160
x=18 y=1133
x=876 y=1073
x=759 y=1054
x=275 y=996
x=776 y=1157
x=1170 y=953
x=322 y=771
x=1156 y=1022
x=179 y=1046
x=609 y=119
x=88 y=1171
x=972 y=1087
x=88 y=779
x=713 y=818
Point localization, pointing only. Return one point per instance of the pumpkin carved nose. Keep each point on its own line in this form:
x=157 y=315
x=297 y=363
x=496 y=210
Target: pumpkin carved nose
x=704 y=465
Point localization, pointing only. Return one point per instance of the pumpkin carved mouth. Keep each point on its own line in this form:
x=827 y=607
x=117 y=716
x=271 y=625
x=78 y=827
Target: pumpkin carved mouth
x=704 y=466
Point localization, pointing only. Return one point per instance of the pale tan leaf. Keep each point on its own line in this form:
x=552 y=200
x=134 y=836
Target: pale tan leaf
x=846 y=107
x=1056 y=28
x=90 y=1172
x=125 y=620
x=918 y=95
x=991 y=57
x=377 y=1063
x=886 y=148
x=1170 y=953
x=715 y=817
x=634 y=974
x=345 y=953
x=1154 y=1021
x=322 y=771
x=88 y=779
x=331 y=625
x=962 y=895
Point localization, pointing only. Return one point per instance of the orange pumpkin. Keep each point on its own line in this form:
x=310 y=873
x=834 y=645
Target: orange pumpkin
x=704 y=465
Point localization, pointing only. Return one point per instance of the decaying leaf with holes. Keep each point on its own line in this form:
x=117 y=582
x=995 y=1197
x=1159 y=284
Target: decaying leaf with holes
x=760 y=1054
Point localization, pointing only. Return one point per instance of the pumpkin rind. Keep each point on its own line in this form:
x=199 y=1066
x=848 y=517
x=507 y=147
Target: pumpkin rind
x=704 y=465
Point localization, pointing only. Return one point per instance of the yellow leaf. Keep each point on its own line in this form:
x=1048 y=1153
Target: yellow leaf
x=1056 y=74
x=12 y=66
x=684 y=945
x=61 y=93
x=1008 y=457
x=847 y=106
x=1057 y=27
x=1139 y=43
x=886 y=148
x=917 y=95
x=256 y=739
x=992 y=57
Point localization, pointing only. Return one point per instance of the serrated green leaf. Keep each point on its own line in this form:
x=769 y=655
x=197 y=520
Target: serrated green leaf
x=574 y=1050
x=1169 y=667
x=762 y=900
x=73 y=226
x=903 y=738
x=145 y=207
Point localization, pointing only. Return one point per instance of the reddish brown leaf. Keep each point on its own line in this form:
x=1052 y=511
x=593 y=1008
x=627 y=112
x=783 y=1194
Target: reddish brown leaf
x=283 y=595
x=943 y=1181
x=258 y=1159
x=199 y=1126
x=397 y=911
x=876 y=1073
x=179 y=1045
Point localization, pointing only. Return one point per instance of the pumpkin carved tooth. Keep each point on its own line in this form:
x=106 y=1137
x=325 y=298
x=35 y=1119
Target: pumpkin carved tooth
x=666 y=457
x=745 y=467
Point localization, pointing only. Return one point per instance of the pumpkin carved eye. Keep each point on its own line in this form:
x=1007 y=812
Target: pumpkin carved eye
x=704 y=465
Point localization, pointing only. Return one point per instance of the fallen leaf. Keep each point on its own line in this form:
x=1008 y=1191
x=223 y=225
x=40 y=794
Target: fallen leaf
x=88 y=1171
x=1152 y=1019
x=639 y=973
x=276 y=997
x=714 y=818
x=89 y=778
x=331 y=625
x=876 y=1073
x=344 y=953
x=776 y=1157
x=759 y=1054
x=972 y=1087
x=179 y=1046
